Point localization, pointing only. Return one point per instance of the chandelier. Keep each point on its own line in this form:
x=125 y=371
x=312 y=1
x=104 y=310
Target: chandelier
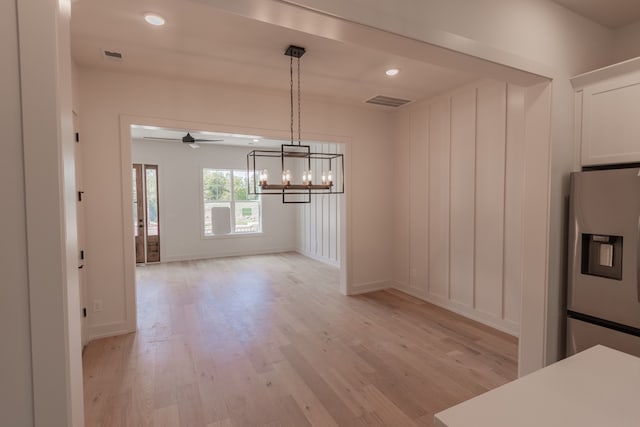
x=295 y=172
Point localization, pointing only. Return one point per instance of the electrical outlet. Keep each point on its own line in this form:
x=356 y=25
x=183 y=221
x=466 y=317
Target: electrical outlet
x=97 y=305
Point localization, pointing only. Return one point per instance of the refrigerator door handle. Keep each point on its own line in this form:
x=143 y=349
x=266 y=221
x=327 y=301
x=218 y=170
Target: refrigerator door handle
x=574 y=238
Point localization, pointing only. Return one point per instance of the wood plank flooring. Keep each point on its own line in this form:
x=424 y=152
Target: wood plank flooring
x=269 y=341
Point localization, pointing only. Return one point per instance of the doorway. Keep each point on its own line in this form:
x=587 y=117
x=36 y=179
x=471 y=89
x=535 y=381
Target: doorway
x=146 y=224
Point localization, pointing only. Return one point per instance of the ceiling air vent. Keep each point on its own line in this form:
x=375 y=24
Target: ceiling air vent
x=387 y=101
x=112 y=55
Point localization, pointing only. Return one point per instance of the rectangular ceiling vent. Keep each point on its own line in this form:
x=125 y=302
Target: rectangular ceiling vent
x=387 y=101
x=112 y=55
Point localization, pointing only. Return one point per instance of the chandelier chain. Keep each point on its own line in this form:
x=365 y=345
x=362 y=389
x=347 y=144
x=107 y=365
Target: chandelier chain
x=329 y=166
x=299 y=105
x=291 y=95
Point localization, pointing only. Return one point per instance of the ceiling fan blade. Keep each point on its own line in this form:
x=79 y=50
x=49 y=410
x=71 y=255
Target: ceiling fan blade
x=208 y=140
x=164 y=139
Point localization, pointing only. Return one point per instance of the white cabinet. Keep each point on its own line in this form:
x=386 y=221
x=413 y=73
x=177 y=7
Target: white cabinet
x=608 y=114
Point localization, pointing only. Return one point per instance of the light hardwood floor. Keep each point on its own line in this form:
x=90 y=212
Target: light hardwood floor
x=269 y=341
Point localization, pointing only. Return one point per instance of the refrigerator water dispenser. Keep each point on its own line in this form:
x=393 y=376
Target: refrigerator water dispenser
x=602 y=256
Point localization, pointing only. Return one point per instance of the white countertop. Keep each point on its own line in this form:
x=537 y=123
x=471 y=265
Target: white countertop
x=598 y=387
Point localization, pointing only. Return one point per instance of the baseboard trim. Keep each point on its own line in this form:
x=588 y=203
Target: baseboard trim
x=503 y=325
x=108 y=330
x=198 y=257
x=318 y=258
x=364 y=288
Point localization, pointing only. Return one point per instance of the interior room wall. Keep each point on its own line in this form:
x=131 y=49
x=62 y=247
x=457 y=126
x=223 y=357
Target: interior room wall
x=180 y=197
x=459 y=168
x=107 y=97
x=626 y=43
x=319 y=222
x=16 y=394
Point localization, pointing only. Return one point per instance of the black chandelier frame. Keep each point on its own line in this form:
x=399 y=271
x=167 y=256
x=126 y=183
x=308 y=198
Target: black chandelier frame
x=258 y=182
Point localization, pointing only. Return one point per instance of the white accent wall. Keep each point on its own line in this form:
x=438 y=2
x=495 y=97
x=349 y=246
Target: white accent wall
x=319 y=222
x=180 y=200
x=459 y=171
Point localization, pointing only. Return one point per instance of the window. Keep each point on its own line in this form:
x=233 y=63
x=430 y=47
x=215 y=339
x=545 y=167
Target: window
x=228 y=209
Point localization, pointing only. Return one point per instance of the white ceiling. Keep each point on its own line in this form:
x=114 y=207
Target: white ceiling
x=610 y=13
x=200 y=42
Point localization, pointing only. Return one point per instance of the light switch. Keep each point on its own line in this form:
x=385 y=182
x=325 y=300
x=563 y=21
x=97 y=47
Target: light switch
x=606 y=255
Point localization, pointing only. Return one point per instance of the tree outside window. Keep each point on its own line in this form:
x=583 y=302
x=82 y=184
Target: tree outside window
x=223 y=188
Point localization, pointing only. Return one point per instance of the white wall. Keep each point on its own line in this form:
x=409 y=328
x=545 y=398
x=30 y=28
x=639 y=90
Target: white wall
x=16 y=398
x=180 y=176
x=626 y=42
x=109 y=99
x=459 y=171
x=319 y=222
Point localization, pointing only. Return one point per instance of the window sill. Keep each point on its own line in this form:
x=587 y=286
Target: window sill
x=231 y=236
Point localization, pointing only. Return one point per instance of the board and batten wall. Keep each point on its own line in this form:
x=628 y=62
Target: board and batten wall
x=180 y=197
x=319 y=226
x=459 y=170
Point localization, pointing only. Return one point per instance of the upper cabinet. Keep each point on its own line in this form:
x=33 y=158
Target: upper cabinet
x=608 y=114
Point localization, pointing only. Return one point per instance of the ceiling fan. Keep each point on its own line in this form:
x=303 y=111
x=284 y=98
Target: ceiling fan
x=187 y=139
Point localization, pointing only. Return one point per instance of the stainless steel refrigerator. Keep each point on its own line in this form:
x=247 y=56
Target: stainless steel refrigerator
x=604 y=260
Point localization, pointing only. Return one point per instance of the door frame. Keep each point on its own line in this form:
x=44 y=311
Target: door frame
x=147 y=240
x=140 y=205
x=80 y=227
x=346 y=286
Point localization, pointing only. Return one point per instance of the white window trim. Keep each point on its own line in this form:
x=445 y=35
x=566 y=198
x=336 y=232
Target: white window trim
x=233 y=234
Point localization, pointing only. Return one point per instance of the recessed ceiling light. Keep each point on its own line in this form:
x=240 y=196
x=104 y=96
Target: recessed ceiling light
x=392 y=72
x=256 y=140
x=154 y=19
